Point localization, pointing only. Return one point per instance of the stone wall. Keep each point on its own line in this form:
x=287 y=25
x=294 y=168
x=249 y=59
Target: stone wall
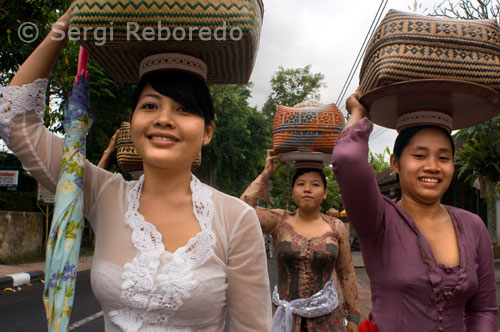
x=20 y=233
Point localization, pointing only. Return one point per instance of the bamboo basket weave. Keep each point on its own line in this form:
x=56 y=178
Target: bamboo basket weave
x=126 y=155
x=411 y=47
x=229 y=60
x=312 y=129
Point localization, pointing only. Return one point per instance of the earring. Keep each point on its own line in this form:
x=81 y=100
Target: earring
x=205 y=142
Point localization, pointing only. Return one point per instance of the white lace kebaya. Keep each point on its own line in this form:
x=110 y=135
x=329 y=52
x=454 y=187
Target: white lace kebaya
x=154 y=294
x=141 y=286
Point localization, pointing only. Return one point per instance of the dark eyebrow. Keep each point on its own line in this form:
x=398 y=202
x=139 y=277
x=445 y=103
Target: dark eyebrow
x=154 y=95
x=423 y=148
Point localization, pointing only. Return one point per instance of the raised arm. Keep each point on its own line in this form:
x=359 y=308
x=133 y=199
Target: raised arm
x=260 y=189
x=360 y=193
x=22 y=106
x=40 y=63
x=108 y=153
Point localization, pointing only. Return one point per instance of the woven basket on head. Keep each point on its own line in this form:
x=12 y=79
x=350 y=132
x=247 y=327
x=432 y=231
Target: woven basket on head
x=126 y=154
x=306 y=128
x=411 y=47
x=224 y=33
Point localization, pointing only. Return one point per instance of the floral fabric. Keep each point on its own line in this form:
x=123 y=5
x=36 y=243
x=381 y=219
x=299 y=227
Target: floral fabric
x=63 y=246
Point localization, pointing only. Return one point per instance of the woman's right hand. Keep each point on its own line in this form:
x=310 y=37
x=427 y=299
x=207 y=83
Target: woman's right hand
x=272 y=163
x=355 y=109
x=62 y=23
x=353 y=105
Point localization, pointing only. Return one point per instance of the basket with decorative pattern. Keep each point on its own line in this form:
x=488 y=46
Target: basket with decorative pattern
x=119 y=33
x=127 y=157
x=306 y=128
x=411 y=47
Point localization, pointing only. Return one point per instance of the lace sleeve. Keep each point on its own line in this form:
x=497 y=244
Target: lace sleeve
x=38 y=149
x=15 y=100
x=249 y=300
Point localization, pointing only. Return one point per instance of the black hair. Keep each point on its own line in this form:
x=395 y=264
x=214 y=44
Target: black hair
x=407 y=134
x=187 y=89
x=302 y=171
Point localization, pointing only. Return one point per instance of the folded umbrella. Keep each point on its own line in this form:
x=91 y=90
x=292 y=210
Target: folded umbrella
x=63 y=245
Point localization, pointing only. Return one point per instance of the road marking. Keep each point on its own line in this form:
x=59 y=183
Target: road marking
x=85 y=321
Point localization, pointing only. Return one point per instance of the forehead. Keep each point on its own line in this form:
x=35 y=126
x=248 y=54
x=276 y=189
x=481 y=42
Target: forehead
x=310 y=176
x=430 y=138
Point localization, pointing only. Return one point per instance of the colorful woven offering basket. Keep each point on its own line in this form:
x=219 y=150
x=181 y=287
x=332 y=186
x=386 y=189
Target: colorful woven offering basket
x=417 y=63
x=313 y=129
x=118 y=34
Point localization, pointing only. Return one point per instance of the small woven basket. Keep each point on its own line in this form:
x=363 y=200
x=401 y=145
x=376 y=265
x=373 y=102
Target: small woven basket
x=118 y=34
x=411 y=47
x=313 y=129
x=127 y=157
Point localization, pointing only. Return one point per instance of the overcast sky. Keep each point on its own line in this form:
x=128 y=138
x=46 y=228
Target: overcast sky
x=327 y=34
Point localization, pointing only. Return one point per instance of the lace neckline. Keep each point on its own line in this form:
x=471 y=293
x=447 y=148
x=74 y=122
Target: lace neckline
x=297 y=235
x=151 y=293
x=203 y=210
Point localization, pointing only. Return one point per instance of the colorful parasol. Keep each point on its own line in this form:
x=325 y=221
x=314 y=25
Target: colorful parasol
x=64 y=241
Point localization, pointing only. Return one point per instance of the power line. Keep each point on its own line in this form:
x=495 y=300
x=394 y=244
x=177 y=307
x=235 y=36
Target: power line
x=362 y=50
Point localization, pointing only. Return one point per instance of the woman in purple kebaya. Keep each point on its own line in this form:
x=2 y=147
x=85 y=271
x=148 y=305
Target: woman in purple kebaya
x=430 y=265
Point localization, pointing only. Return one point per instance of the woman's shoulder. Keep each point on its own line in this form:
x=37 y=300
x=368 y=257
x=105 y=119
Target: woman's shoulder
x=334 y=222
x=228 y=204
x=467 y=220
x=464 y=215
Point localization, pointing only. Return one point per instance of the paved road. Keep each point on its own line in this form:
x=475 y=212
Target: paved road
x=23 y=310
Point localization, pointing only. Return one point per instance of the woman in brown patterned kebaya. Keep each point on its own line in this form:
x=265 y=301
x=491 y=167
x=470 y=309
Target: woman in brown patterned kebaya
x=309 y=246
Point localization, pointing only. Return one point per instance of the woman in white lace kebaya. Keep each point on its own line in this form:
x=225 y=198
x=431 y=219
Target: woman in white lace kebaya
x=171 y=253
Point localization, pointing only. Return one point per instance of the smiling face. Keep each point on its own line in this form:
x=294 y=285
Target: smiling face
x=165 y=133
x=425 y=167
x=309 y=191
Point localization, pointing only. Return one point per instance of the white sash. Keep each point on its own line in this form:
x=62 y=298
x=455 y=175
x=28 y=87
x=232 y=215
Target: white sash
x=321 y=303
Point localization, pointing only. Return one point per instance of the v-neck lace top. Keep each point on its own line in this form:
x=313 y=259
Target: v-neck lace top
x=140 y=285
x=411 y=291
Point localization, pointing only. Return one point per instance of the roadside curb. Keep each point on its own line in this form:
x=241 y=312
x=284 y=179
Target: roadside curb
x=18 y=279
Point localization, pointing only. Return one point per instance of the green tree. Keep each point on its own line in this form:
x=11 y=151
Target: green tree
x=110 y=100
x=479 y=157
x=281 y=191
x=13 y=14
x=478 y=160
x=238 y=149
x=378 y=161
x=291 y=86
x=468 y=9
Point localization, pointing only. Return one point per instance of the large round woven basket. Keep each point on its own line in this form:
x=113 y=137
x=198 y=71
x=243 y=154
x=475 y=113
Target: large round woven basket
x=118 y=34
x=306 y=128
x=411 y=47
